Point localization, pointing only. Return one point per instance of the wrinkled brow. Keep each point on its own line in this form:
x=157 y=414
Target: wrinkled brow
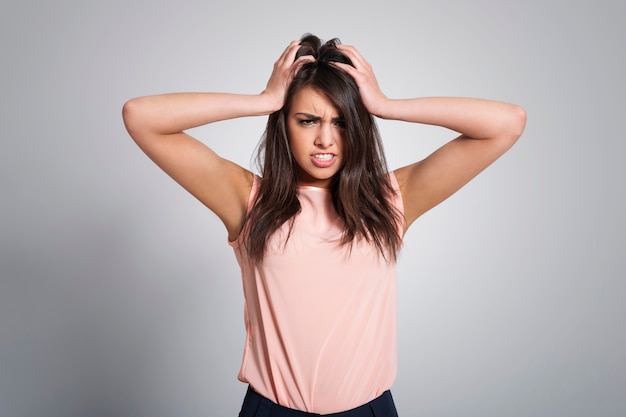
x=310 y=116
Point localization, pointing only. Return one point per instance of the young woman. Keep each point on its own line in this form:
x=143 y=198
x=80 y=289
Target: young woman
x=316 y=234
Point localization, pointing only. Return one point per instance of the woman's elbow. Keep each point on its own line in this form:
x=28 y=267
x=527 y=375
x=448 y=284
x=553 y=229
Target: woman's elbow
x=131 y=115
x=512 y=125
x=517 y=123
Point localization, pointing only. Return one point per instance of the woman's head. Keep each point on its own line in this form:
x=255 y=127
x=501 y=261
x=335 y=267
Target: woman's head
x=360 y=139
x=358 y=180
x=316 y=136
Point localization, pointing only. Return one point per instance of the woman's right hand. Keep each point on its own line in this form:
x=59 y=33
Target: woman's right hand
x=285 y=68
x=158 y=125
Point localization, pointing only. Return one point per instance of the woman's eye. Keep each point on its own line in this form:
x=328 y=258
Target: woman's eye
x=307 y=122
x=340 y=123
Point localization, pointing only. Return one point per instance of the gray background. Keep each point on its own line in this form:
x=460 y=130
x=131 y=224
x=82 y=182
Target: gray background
x=120 y=297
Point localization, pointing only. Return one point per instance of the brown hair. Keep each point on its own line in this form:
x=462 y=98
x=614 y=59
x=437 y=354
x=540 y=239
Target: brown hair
x=360 y=190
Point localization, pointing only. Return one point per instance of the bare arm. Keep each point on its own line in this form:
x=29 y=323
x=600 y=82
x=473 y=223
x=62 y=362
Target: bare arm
x=157 y=125
x=487 y=129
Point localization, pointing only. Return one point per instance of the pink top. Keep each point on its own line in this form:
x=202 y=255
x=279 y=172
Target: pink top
x=320 y=320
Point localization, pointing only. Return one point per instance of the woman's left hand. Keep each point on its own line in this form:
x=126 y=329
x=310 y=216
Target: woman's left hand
x=362 y=72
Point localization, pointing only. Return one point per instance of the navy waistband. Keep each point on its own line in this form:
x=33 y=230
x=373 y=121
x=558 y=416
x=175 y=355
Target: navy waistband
x=256 y=405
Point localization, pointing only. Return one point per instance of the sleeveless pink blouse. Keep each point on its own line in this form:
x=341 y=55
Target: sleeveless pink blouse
x=320 y=318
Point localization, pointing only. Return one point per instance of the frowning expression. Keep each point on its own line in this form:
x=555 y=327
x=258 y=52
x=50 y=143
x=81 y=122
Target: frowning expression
x=316 y=137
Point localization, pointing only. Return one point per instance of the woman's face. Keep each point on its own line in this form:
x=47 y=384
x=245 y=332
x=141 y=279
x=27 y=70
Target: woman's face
x=316 y=137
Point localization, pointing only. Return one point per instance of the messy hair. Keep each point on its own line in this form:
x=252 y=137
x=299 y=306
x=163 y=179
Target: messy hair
x=360 y=191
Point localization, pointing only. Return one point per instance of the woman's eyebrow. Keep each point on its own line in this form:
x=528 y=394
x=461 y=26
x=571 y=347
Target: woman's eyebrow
x=307 y=115
x=314 y=117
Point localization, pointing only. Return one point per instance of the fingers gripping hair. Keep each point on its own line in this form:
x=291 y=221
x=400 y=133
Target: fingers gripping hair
x=324 y=53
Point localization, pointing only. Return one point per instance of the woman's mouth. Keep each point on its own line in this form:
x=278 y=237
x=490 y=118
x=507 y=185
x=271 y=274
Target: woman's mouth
x=323 y=160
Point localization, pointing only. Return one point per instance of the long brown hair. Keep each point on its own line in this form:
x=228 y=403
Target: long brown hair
x=360 y=191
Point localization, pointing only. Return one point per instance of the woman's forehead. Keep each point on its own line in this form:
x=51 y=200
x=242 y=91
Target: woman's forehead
x=312 y=101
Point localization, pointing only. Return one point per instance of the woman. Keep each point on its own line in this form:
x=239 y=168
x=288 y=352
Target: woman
x=316 y=235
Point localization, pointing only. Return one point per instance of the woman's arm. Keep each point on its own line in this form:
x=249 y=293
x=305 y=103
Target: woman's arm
x=157 y=124
x=487 y=130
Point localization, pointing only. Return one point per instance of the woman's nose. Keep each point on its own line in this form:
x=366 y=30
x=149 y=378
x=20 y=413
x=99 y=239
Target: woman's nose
x=324 y=136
